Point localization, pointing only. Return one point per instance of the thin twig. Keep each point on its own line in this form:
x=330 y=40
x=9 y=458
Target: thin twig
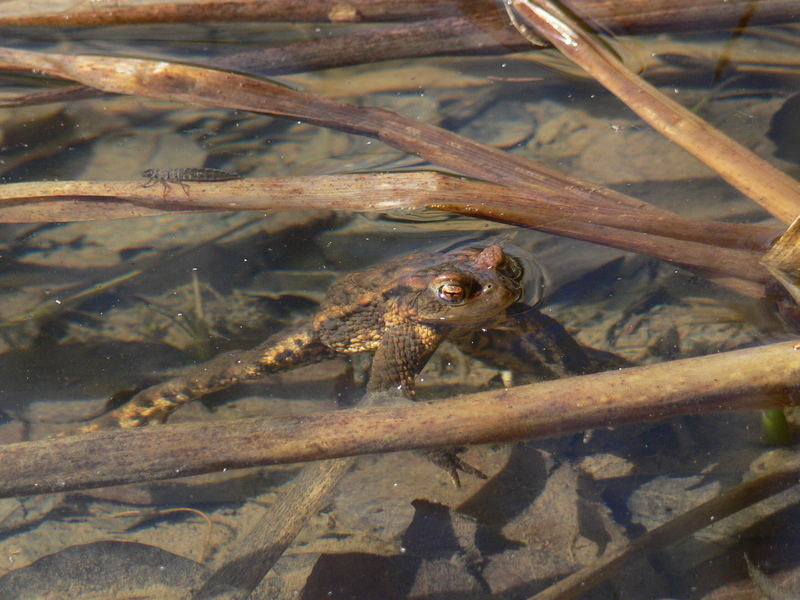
x=166 y=511
x=376 y=192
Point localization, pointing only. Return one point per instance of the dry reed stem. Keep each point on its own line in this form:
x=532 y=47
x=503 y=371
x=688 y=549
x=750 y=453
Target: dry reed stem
x=211 y=87
x=111 y=12
x=478 y=34
x=754 y=177
x=740 y=380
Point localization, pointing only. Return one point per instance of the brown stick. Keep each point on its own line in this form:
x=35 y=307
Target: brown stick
x=753 y=176
x=740 y=380
x=619 y=17
x=309 y=11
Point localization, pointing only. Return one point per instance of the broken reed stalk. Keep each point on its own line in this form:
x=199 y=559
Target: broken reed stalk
x=754 y=177
x=783 y=260
x=724 y=248
x=249 y=558
x=740 y=380
x=713 y=511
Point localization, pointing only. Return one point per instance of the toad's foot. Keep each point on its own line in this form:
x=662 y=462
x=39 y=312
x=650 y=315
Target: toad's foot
x=452 y=464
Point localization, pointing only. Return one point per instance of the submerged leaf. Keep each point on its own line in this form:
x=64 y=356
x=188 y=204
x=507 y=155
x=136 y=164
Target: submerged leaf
x=108 y=569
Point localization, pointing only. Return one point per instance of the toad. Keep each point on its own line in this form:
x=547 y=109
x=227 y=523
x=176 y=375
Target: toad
x=401 y=310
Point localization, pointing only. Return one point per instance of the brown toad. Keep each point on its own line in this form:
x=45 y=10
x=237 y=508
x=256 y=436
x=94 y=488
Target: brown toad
x=401 y=310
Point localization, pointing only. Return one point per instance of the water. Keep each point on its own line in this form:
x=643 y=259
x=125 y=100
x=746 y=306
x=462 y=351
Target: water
x=213 y=282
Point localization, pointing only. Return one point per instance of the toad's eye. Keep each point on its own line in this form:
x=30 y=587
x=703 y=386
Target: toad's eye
x=452 y=292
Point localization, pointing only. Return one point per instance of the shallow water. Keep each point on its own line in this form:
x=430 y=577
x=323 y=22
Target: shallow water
x=394 y=522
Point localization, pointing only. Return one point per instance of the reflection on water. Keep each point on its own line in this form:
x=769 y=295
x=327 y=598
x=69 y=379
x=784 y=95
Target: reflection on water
x=90 y=309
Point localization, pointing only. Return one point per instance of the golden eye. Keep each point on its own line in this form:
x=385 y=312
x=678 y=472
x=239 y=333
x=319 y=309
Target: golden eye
x=452 y=292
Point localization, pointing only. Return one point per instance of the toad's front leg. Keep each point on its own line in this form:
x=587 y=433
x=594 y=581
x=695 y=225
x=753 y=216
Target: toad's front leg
x=403 y=352
x=282 y=351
